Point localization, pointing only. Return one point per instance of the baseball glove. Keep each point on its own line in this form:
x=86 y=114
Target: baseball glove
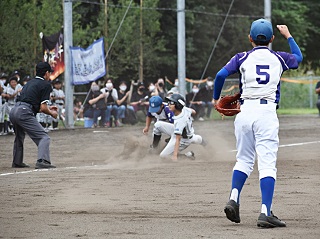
x=229 y=105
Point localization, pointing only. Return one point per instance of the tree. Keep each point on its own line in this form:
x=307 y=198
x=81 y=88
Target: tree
x=291 y=13
x=124 y=54
x=23 y=20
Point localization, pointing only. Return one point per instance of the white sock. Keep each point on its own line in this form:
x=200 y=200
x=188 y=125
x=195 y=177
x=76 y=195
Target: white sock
x=264 y=209
x=234 y=195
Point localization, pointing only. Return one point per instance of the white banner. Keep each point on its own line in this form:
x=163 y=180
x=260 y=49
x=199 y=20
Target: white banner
x=88 y=64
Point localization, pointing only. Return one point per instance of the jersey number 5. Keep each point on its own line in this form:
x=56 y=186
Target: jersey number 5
x=261 y=71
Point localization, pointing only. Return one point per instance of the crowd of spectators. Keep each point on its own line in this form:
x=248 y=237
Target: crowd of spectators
x=10 y=88
x=116 y=106
x=107 y=104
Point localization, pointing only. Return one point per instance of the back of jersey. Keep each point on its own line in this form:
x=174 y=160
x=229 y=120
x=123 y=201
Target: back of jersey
x=261 y=71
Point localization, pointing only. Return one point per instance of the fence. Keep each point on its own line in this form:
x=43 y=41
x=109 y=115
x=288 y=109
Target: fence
x=297 y=92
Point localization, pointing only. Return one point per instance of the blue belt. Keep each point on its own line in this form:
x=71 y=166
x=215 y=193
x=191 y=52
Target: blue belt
x=262 y=102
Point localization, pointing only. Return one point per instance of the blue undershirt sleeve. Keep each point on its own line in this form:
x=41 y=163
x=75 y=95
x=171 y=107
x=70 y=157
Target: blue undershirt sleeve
x=219 y=81
x=295 y=50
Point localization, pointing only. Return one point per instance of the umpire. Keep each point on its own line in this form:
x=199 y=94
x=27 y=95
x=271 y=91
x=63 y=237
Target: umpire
x=34 y=98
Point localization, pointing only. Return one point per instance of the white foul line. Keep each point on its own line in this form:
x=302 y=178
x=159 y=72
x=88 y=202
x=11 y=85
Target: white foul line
x=298 y=144
x=45 y=169
x=291 y=145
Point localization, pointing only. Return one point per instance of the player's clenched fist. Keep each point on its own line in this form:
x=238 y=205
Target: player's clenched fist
x=283 y=29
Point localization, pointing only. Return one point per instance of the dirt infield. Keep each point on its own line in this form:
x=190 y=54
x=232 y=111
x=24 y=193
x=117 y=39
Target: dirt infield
x=106 y=185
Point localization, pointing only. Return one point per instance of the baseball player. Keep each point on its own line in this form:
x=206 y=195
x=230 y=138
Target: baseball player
x=3 y=104
x=257 y=125
x=164 y=120
x=57 y=98
x=182 y=131
x=11 y=93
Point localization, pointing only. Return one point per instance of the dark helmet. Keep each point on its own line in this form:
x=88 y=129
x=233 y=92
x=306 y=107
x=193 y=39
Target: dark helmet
x=26 y=78
x=178 y=100
x=3 y=76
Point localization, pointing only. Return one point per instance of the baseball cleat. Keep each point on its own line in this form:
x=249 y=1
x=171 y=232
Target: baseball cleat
x=42 y=163
x=22 y=165
x=204 y=143
x=232 y=211
x=269 y=221
x=152 y=150
x=190 y=155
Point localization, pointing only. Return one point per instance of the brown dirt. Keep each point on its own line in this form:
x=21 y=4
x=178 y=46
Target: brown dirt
x=106 y=185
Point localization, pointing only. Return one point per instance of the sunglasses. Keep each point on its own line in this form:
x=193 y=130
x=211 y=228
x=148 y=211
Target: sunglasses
x=171 y=103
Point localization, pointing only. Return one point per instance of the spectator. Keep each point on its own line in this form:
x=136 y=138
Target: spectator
x=160 y=87
x=123 y=107
x=77 y=110
x=206 y=94
x=152 y=90
x=194 y=101
x=175 y=89
x=139 y=99
x=96 y=106
x=111 y=99
x=57 y=99
x=318 y=92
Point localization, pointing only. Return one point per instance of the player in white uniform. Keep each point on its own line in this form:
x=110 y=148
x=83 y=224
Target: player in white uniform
x=183 y=132
x=3 y=80
x=164 y=120
x=257 y=125
x=11 y=94
x=57 y=98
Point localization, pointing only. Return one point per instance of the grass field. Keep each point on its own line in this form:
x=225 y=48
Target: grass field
x=215 y=115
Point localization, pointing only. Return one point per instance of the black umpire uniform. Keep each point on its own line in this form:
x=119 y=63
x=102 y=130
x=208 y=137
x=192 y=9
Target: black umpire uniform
x=34 y=98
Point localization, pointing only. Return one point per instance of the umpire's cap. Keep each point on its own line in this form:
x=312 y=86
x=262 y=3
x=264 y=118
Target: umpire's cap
x=155 y=103
x=261 y=30
x=43 y=67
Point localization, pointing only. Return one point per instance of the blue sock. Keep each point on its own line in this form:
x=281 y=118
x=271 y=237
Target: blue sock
x=267 y=189
x=238 y=180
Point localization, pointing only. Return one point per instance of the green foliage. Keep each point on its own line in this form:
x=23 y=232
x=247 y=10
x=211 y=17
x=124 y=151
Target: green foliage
x=23 y=20
x=293 y=14
x=297 y=111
